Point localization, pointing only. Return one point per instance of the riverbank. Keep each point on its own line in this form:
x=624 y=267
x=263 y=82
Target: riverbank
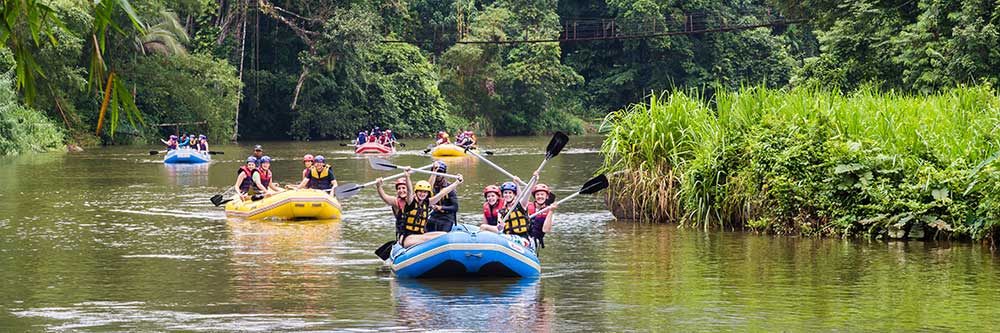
x=811 y=162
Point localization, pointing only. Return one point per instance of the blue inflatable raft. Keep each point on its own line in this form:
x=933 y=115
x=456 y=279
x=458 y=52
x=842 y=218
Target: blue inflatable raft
x=466 y=251
x=186 y=156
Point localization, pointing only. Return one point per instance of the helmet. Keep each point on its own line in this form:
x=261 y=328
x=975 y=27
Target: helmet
x=308 y=158
x=376 y=128
x=388 y=131
x=541 y=188
x=468 y=133
x=252 y=159
x=445 y=135
x=400 y=181
x=422 y=185
x=265 y=159
x=508 y=186
x=201 y=136
x=440 y=133
x=361 y=133
x=320 y=159
x=491 y=189
x=258 y=147
x=440 y=166
x=173 y=136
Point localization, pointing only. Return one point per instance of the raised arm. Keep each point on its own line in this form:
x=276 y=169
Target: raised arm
x=409 y=185
x=389 y=200
x=437 y=197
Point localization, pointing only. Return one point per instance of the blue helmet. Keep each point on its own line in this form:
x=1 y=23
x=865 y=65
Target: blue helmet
x=508 y=186
x=440 y=166
x=319 y=159
x=265 y=159
x=252 y=159
x=201 y=136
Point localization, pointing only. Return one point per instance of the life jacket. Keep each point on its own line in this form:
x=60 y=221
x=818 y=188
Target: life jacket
x=265 y=177
x=537 y=223
x=172 y=144
x=248 y=180
x=202 y=144
x=492 y=213
x=362 y=139
x=517 y=223
x=321 y=179
x=415 y=217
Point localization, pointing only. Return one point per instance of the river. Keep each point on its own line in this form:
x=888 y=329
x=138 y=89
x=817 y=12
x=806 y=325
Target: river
x=114 y=240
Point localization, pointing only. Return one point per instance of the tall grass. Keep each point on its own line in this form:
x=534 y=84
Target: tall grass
x=811 y=161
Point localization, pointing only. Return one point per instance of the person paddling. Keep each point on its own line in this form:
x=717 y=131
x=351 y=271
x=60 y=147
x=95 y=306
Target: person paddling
x=418 y=205
x=244 y=178
x=184 y=141
x=443 y=215
x=202 y=145
x=171 y=142
x=491 y=208
x=320 y=175
x=362 y=138
x=262 y=179
x=258 y=152
x=442 y=138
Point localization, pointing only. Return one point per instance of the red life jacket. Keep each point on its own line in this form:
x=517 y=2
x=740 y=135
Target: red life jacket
x=265 y=177
x=492 y=214
x=248 y=180
x=537 y=222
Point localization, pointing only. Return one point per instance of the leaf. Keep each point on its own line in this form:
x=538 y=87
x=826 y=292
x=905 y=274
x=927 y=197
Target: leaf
x=940 y=194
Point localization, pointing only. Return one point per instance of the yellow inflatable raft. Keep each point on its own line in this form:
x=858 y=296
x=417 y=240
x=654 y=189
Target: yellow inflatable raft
x=288 y=205
x=447 y=149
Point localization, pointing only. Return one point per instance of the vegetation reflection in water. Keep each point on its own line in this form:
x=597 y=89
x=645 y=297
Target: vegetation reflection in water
x=129 y=248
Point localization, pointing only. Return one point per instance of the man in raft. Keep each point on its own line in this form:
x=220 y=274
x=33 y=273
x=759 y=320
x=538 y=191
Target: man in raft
x=320 y=176
x=258 y=152
x=415 y=213
x=467 y=139
x=443 y=214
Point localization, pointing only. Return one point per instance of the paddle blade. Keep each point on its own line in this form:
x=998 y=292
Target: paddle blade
x=488 y=153
x=343 y=145
x=594 y=184
x=385 y=250
x=380 y=164
x=347 y=190
x=556 y=145
x=154 y=152
x=216 y=152
x=217 y=200
x=401 y=144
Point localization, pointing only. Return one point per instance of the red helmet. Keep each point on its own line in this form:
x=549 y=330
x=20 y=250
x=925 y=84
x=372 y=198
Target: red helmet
x=400 y=181
x=491 y=189
x=541 y=187
x=440 y=133
x=307 y=158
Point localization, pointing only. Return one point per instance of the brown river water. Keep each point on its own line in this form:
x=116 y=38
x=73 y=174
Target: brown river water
x=112 y=239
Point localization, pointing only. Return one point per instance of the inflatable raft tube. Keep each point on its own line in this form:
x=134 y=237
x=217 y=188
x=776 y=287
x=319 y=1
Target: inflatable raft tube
x=447 y=149
x=467 y=251
x=186 y=156
x=373 y=148
x=287 y=205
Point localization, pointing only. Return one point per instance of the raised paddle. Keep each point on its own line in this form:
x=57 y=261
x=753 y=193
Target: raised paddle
x=488 y=162
x=590 y=187
x=349 y=190
x=555 y=146
x=380 y=164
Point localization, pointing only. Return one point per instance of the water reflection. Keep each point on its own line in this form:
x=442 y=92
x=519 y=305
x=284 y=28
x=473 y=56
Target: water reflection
x=187 y=174
x=480 y=305
x=286 y=266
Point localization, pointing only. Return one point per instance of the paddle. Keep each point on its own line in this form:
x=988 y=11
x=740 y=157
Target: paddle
x=343 y=144
x=429 y=147
x=217 y=199
x=590 y=187
x=488 y=162
x=154 y=152
x=349 y=190
x=385 y=250
x=212 y=152
x=555 y=146
x=380 y=164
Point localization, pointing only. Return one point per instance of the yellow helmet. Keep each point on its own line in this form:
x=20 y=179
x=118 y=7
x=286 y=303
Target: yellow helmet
x=422 y=185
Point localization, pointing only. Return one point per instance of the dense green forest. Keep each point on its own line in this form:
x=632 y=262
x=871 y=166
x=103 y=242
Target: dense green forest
x=311 y=69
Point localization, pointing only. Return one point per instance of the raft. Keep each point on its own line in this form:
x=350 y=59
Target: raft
x=467 y=251
x=373 y=148
x=448 y=149
x=186 y=156
x=287 y=205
